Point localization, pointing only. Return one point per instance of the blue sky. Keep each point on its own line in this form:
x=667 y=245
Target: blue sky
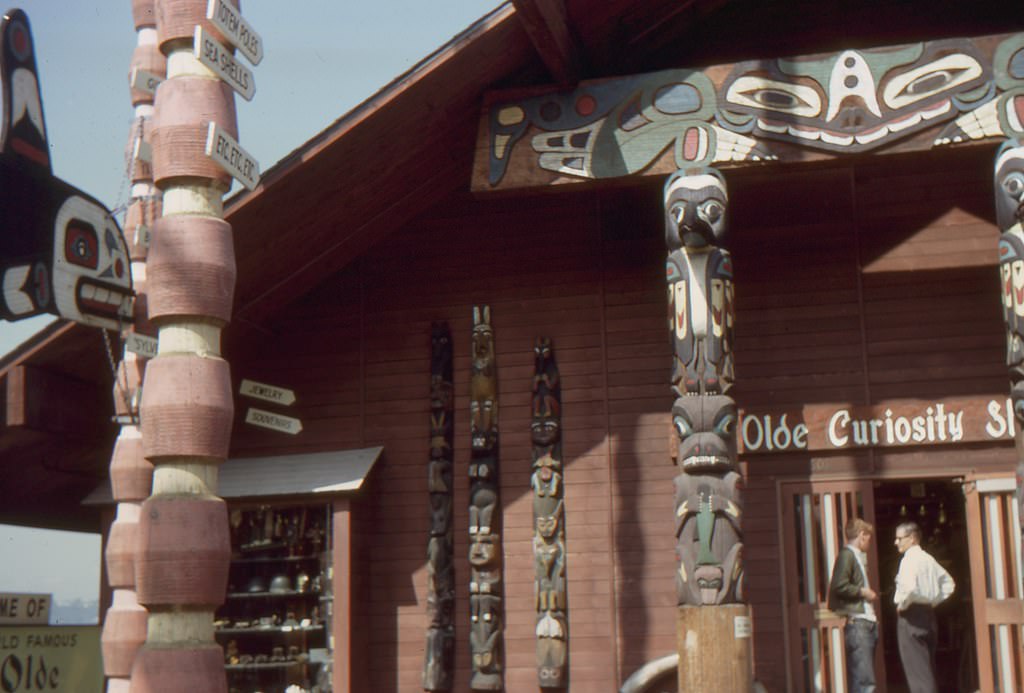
x=322 y=58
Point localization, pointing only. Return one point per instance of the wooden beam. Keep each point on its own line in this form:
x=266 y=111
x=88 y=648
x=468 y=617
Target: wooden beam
x=547 y=24
x=41 y=400
x=796 y=109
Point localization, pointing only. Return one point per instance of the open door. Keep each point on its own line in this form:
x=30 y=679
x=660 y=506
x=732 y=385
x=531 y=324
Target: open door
x=993 y=527
x=813 y=517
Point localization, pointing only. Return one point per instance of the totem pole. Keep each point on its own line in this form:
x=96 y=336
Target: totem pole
x=485 y=589
x=709 y=579
x=439 y=655
x=1009 y=193
x=131 y=475
x=549 y=520
x=187 y=408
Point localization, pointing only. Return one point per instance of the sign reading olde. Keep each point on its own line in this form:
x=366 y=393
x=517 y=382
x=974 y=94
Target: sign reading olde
x=896 y=424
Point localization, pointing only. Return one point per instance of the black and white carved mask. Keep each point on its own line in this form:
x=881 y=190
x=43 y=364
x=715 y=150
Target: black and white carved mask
x=695 y=204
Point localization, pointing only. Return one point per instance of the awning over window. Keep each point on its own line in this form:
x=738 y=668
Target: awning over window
x=334 y=472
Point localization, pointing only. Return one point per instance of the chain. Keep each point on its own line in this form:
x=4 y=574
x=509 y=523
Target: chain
x=117 y=381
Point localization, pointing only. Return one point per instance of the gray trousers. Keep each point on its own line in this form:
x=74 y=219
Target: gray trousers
x=916 y=636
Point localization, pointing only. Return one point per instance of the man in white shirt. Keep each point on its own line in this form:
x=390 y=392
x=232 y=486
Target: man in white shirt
x=921 y=584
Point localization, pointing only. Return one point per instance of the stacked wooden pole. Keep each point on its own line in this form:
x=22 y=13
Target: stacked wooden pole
x=131 y=475
x=713 y=624
x=187 y=410
x=1009 y=197
x=439 y=654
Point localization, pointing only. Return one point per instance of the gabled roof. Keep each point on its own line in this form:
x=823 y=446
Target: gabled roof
x=410 y=147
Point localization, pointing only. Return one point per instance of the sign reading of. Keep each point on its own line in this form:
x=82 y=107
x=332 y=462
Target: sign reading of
x=216 y=57
x=225 y=150
x=24 y=609
x=235 y=29
x=893 y=424
x=269 y=393
x=275 y=422
x=60 y=659
x=141 y=344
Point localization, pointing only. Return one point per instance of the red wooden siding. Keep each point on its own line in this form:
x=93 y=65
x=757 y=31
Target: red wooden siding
x=586 y=270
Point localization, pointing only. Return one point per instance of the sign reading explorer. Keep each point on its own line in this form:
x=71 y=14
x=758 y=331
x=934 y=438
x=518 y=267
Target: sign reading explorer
x=902 y=423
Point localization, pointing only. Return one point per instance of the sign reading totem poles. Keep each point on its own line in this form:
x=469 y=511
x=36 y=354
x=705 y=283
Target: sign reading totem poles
x=61 y=251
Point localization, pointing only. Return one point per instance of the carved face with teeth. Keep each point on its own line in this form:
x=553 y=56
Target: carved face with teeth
x=705 y=429
x=91 y=275
x=855 y=100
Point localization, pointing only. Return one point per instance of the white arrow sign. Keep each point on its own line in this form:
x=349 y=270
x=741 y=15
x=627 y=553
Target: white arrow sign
x=235 y=29
x=146 y=81
x=222 y=148
x=216 y=57
x=269 y=393
x=275 y=422
x=141 y=344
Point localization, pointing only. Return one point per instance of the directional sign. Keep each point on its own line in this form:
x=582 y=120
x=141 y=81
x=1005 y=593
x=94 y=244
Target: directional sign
x=142 y=235
x=146 y=81
x=235 y=29
x=269 y=393
x=215 y=56
x=142 y=151
x=275 y=422
x=222 y=148
x=141 y=344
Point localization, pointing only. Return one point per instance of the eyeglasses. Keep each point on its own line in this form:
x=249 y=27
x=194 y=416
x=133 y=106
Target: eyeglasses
x=899 y=538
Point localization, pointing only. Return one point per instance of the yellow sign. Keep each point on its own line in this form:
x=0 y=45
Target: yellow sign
x=59 y=659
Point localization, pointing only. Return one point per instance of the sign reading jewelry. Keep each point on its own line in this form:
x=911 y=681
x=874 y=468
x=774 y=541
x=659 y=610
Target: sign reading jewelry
x=893 y=424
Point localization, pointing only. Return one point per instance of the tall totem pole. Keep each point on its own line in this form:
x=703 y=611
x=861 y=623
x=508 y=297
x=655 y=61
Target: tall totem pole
x=549 y=553
x=1009 y=192
x=186 y=409
x=485 y=587
x=131 y=475
x=713 y=623
x=439 y=654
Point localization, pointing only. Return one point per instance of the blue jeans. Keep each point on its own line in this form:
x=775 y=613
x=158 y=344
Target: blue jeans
x=861 y=637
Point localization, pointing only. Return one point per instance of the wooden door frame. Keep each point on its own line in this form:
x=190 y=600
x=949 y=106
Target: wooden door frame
x=786 y=487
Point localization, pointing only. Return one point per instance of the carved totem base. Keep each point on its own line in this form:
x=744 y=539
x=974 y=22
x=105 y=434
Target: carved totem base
x=715 y=648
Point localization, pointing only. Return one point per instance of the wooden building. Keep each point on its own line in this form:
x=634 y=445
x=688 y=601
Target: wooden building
x=869 y=352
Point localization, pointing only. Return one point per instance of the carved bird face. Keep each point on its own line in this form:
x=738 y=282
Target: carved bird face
x=695 y=203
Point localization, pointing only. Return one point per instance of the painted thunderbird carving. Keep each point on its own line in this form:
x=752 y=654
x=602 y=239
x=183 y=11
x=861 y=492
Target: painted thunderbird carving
x=846 y=102
x=61 y=251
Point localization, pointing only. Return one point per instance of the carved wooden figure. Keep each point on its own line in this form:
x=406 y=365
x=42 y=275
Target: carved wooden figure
x=439 y=654
x=1009 y=194
x=61 y=251
x=709 y=540
x=549 y=520
x=485 y=590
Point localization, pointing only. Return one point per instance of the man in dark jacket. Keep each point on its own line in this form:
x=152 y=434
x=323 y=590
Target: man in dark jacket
x=850 y=595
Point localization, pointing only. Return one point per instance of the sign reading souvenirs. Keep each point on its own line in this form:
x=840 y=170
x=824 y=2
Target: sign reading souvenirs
x=24 y=609
x=896 y=424
x=58 y=659
x=215 y=56
x=269 y=393
x=225 y=150
x=275 y=422
x=61 y=251
x=235 y=29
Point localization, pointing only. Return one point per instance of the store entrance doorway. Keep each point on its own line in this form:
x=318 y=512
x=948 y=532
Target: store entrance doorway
x=938 y=507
